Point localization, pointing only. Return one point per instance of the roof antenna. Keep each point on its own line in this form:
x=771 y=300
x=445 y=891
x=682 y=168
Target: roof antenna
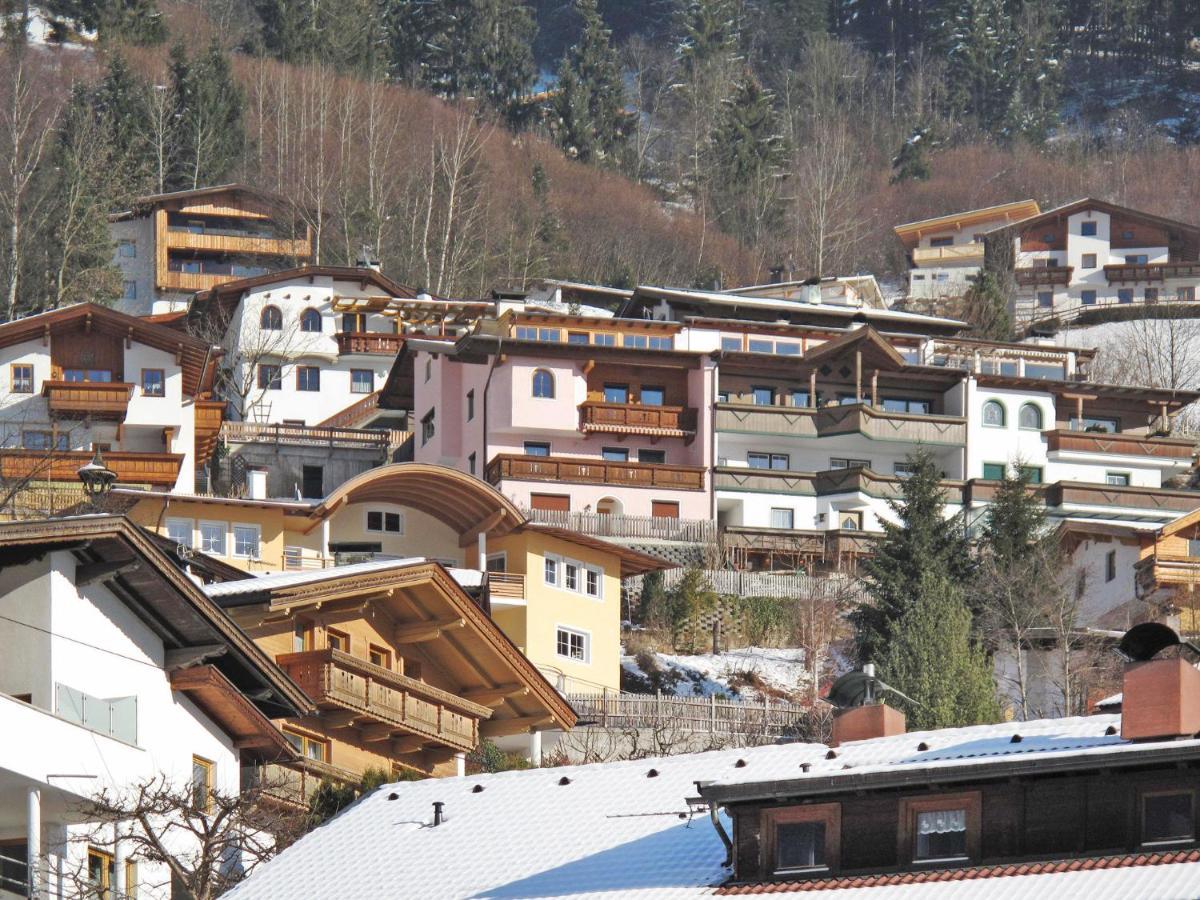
x=437 y=812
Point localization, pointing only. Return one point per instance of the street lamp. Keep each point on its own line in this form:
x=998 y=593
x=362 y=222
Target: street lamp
x=97 y=478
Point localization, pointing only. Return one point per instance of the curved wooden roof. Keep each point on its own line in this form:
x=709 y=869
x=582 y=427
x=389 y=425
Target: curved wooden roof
x=462 y=501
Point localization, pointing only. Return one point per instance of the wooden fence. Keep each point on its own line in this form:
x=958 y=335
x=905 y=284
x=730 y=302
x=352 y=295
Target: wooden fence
x=662 y=528
x=729 y=582
x=693 y=714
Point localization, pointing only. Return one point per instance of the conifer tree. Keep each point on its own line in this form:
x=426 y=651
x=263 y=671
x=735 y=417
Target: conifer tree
x=589 y=104
x=209 y=134
x=923 y=548
x=911 y=162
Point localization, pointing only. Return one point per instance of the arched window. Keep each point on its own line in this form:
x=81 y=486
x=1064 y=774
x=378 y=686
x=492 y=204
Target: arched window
x=543 y=384
x=310 y=320
x=993 y=414
x=271 y=319
x=1030 y=416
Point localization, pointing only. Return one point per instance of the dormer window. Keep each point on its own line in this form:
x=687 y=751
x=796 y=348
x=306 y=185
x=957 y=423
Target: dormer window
x=1168 y=817
x=941 y=829
x=802 y=839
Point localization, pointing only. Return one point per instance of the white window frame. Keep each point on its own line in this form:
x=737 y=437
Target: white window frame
x=224 y=526
x=556 y=561
x=791 y=515
x=502 y=557
x=562 y=565
x=191 y=530
x=257 y=540
x=588 y=572
x=586 y=640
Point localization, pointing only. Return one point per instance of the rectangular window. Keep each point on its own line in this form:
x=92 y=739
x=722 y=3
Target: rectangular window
x=428 y=370
x=374 y=520
x=427 y=428
x=572 y=644
x=1087 y=229
x=1095 y=424
x=614 y=454
x=664 y=509
x=1168 y=817
x=312 y=482
x=604 y=339
x=549 y=334
x=470 y=405
x=301 y=637
x=570 y=576
x=662 y=343
x=1088 y=261
x=801 y=839
x=212 y=538
x=1150 y=295
x=1124 y=295
x=593 y=580
x=1087 y=298
x=128 y=289
x=762 y=396
x=906 y=405
x=758 y=345
x=308 y=747
x=101 y=870
x=308 y=378
x=1118 y=479
x=652 y=456
x=1137 y=259
x=154 y=384
x=839 y=462
x=362 y=381
x=941 y=834
x=902 y=469
x=393 y=523
x=994 y=471
x=550 y=574
x=799 y=399
x=127 y=249
x=550 y=502
x=180 y=531
x=354 y=323
x=526 y=333
x=14 y=869
x=1110 y=566
x=379 y=657
x=269 y=377
x=1031 y=474
x=1045 y=299
x=787 y=349
x=537 y=448
x=941 y=242
x=77 y=375
x=202 y=783
x=245 y=541
x=337 y=640
x=45 y=440
x=652 y=395
x=760 y=460
x=637 y=341
x=577 y=337
x=616 y=393
x=731 y=344
x=1185 y=294
x=782 y=518
x=22 y=378
x=471 y=464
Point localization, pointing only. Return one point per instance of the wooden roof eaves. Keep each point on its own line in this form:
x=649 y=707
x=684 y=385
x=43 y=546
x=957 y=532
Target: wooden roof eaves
x=1112 y=209
x=231 y=289
x=488 y=345
x=633 y=562
x=1170 y=396
x=55 y=532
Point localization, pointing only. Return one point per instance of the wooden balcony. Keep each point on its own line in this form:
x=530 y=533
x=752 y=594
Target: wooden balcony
x=209 y=415
x=633 y=418
x=660 y=528
x=505 y=586
x=1122 y=272
x=823 y=544
x=1037 y=276
x=573 y=470
x=368 y=342
x=190 y=281
x=385 y=704
x=293 y=784
x=1157 y=500
x=88 y=399
x=1166 y=448
x=964 y=253
x=830 y=421
x=240 y=244
x=354 y=414
x=855 y=480
x=303 y=436
x=156 y=469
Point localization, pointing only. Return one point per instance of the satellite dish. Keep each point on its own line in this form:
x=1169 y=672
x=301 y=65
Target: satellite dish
x=860 y=688
x=1144 y=642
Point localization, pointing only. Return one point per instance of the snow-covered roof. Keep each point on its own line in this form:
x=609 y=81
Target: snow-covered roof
x=625 y=829
x=311 y=576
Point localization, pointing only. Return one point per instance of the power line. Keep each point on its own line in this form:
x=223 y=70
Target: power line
x=64 y=637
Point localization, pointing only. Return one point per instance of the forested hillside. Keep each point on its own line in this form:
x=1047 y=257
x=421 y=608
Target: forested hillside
x=472 y=143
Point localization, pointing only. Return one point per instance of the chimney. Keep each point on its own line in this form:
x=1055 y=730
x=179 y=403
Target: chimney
x=256 y=484
x=1160 y=700
x=367 y=258
x=776 y=274
x=861 y=723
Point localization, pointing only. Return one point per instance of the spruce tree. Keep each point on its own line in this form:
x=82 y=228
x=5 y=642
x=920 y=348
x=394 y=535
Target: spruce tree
x=924 y=547
x=589 y=104
x=934 y=659
x=209 y=135
x=1015 y=520
x=911 y=162
x=749 y=154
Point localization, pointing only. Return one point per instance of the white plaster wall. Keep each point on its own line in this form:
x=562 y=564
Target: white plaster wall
x=1010 y=443
x=1101 y=596
x=424 y=535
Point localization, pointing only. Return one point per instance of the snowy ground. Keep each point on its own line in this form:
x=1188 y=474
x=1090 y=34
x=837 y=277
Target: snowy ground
x=748 y=673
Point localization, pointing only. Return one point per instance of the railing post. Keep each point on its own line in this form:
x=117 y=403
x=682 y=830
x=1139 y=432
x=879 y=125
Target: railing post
x=712 y=714
x=604 y=708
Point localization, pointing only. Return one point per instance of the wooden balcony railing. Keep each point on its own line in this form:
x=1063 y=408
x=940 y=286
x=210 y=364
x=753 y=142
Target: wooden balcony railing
x=660 y=528
x=293 y=784
x=961 y=253
x=354 y=414
x=1074 y=493
x=88 y=399
x=247 y=244
x=369 y=342
x=336 y=680
x=1032 y=276
x=190 y=281
x=506 y=585
x=209 y=415
x=157 y=469
x=594 y=471
x=823 y=544
x=300 y=435
x=1122 y=272
x=1122 y=444
x=635 y=418
x=830 y=421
